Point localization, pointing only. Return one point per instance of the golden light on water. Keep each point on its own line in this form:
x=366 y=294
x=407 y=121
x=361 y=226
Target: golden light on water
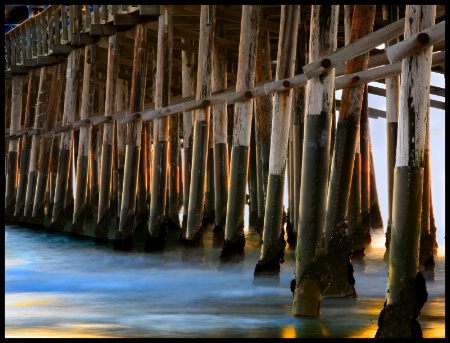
x=288 y=331
x=72 y=331
x=31 y=302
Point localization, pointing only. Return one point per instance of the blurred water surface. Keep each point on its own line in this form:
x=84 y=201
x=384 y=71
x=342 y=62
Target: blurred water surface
x=57 y=286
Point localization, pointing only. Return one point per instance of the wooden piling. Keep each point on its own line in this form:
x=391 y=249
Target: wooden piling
x=365 y=162
x=406 y=286
x=84 y=142
x=65 y=148
x=26 y=142
x=157 y=229
x=14 y=144
x=41 y=103
x=290 y=183
x=342 y=162
x=209 y=215
x=252 y=179
x=101 y=231
x=428 y=244
x=298 y=124
x=142 y=208
x=358 y=217
x=354 y=202
x=125 y=234
x=376 y=220
x=188 y=89
x=220 y=143
x=390 y=12
x=315 y=164
x=272 y=250
x=173 y=195
x=121 y=102
x=233 y=249
x=201 y=128
x=263 y=123
x=38 y=213
x=51 y=180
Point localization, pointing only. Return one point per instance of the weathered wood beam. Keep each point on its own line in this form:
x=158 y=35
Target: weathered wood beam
x=65 y=148
x=233 y=249
x=201 y=124
x=416 y=42
x=156 y=236
x=101 y=232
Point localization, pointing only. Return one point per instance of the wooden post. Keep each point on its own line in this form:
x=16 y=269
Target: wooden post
x=157 y=228
x=122 y=92
x=41 y=102
x=290 y=180
x=51 y=180
x=125 y=234
x=173 y=182
x=298 y=124
x=38 y=213
x=233 y=249
x=209 y=215
x=342 y=162
x=365 y=164
x=84 y=142
x=13 y=153
x=376 y=221
x=26 y=145
x=201 y=128
x=354 y=201
x=101 y=232
x=65 y=148
x=272 y=250
x=390 y=12
x=252 y=179
x=427 y=236
x=358 y=219
x=142 y=210
x=263 y=123
x=96 y=138
x=406 y=286
x=220 y=142
x=188 y=89
x=315 y=164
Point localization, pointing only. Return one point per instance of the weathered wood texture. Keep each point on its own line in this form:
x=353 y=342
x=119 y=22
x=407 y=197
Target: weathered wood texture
x=104 y=206
x=315 y=165
x=161 y=126
x=349 y=112
x=220 y=135
x=65 y=148
x=201 y=122
x=188 y=90
x=84 y=141
x=133 y=139
x=51 y=111
x=414 y=99
x=234 y=229
x=26 y=143
x=263 y=121
x=273 y=232
x=41 y=102
x=13 y=153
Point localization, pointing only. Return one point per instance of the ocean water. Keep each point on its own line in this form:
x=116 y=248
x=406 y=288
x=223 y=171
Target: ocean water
x=57 y=286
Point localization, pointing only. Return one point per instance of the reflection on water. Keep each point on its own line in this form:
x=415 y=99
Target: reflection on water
x=59 y=287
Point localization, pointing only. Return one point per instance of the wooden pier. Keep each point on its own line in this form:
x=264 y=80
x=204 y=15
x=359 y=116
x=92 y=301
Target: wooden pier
x=170 y=119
